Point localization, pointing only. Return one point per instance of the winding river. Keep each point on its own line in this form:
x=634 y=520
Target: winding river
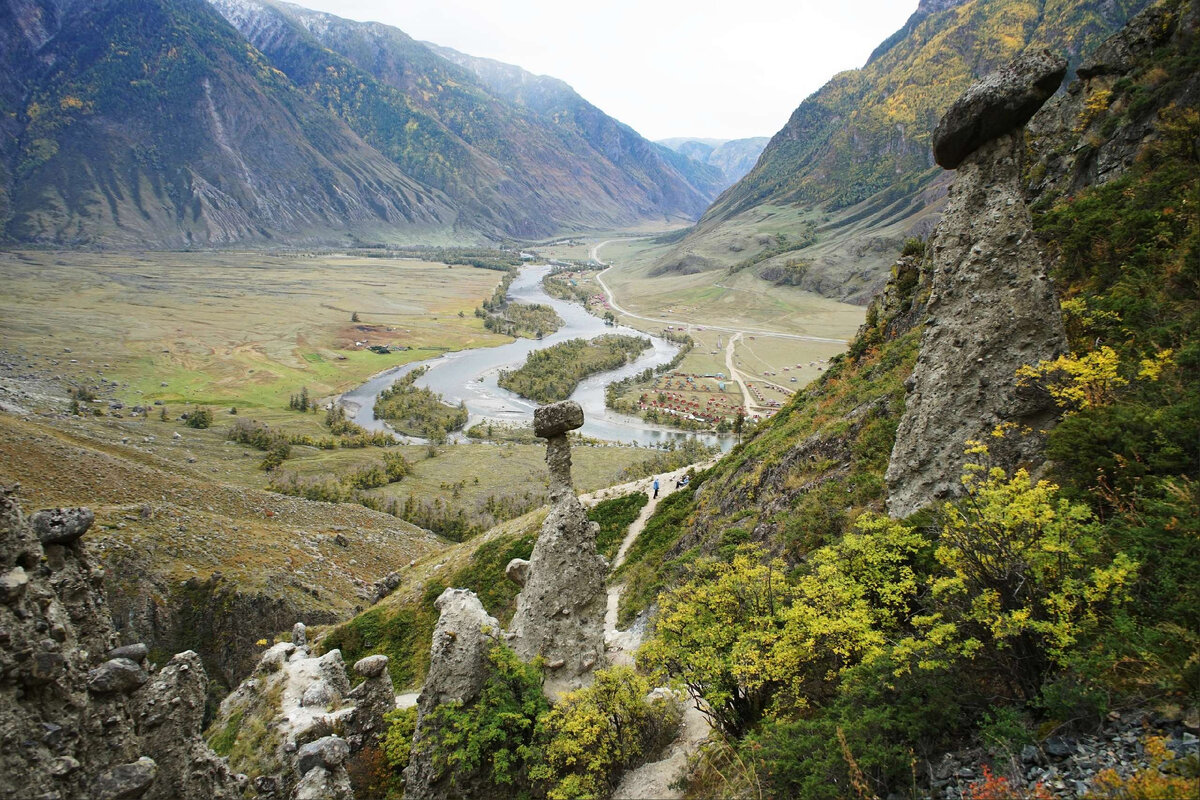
x=470 y=376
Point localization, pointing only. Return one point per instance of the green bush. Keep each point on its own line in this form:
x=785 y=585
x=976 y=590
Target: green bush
x=199 y=418
x=491 y=741
x=594 y=734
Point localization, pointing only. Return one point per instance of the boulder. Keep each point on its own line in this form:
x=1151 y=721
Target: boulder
x=997 y=104
x=329 y=752
x=386 y=585
x=134 y=652
x=62 y=525
x=12 y=585
x=557 y=419
x=117 y=675
x=299 y=635
x=318 y=694
x=371 y=666
x=324 y=784
x=273 y=659
x=517 y=571
x=125 y=781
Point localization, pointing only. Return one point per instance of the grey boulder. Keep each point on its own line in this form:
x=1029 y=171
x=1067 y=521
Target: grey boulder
x=62 y=525
x=125 y=781
x=557 y=419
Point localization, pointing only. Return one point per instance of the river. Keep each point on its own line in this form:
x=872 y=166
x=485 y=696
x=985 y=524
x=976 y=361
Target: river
x=470 y=376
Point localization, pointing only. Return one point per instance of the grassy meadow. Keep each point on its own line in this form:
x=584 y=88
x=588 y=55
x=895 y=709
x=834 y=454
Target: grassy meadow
x=245 y=329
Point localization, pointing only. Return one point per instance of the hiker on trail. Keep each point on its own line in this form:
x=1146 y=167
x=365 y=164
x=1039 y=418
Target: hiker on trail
x=656 y=487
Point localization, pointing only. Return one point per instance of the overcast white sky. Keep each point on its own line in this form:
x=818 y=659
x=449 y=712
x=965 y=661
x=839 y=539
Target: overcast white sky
x=725 y=69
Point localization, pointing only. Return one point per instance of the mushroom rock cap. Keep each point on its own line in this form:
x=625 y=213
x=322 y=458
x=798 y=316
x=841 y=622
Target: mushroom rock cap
x=999 y=102
x=557 y=418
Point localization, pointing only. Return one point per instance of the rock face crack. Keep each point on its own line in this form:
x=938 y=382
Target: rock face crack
x=992 y=307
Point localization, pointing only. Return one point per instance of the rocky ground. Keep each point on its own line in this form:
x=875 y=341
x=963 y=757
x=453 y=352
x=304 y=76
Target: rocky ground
x=1066 y=766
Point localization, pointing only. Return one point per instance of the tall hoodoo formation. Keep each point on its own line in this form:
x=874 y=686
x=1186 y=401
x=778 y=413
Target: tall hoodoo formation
x=560 y=611
x=80 y=717
x=992 y=307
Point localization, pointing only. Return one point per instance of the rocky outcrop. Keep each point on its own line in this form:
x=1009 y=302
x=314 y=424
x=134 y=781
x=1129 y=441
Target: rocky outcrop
x=296 y=700
x=991 y=309
x=1093 y=132
x=458 y=670
x=559 y=617
x=79 y=716
x=560 y=610
x=372 y=698
x=215 y=616
x=323 y=774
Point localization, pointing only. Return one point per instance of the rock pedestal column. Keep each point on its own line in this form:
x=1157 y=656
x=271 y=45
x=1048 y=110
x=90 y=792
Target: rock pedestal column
x=560 y=611
x=992 y=308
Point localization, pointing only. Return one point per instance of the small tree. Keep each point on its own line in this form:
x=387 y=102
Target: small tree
x=354 y=317
x=199 y=418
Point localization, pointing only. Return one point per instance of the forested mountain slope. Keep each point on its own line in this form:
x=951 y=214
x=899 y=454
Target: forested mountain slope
x=153 y=124
x=525 y=169
x=142 y=123
x=850 y=175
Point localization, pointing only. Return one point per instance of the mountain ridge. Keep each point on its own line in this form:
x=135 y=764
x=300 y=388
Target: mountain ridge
x=141 y=123
x=854 y=156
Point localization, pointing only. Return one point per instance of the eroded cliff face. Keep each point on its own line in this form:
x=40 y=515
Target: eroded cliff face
x=79 y=716
x=992 y=307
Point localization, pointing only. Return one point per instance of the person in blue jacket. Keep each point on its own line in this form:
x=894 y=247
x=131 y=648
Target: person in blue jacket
x=656 y=487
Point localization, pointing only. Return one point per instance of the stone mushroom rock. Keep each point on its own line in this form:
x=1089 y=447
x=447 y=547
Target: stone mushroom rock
x=62 y=525
x=553 y=423
x=997 y=104
x=458 y=668
x=992 y=307
x=560 y=610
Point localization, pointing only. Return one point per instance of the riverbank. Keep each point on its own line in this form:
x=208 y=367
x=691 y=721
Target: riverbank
x=471 y=377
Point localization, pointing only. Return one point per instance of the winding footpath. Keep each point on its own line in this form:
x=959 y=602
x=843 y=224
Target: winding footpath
x=654 y=779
